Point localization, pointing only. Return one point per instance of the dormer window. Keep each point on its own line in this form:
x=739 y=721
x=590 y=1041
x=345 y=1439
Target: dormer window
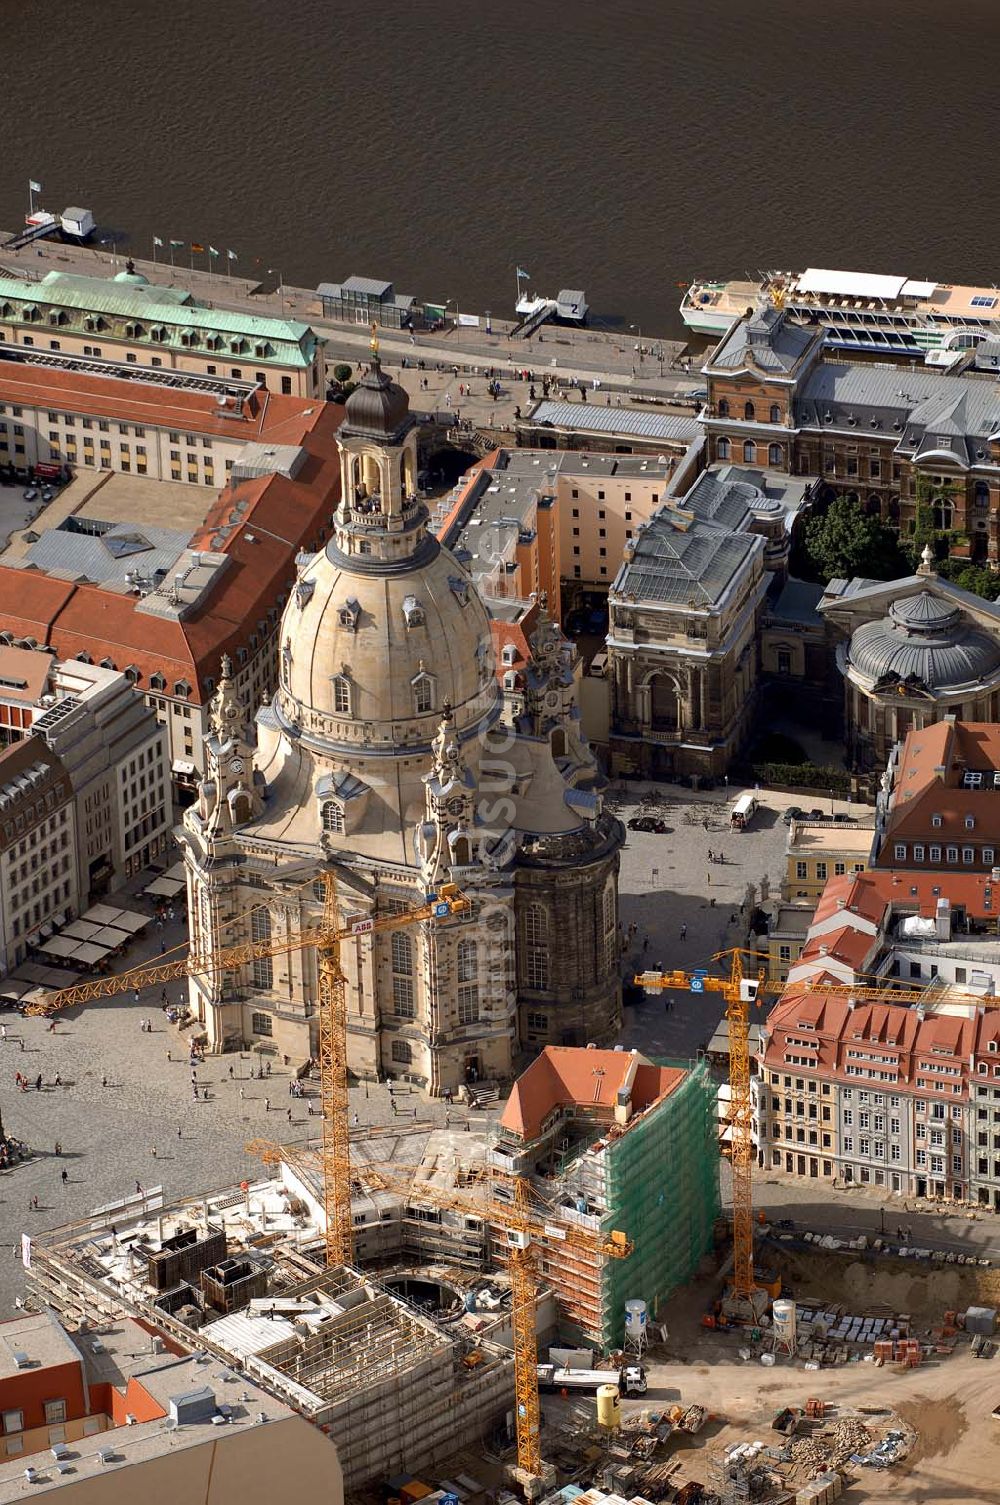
x=238 y=346
x=158 y=334
x=107 y=663
x=304 y=593
x=970 y=822
x=30 y=313
x=423 y=693
x=350 y=614
x=157 y=681
x=214 y=342
x=460 y=589
x=509 y=653
x=134 y=331
x=182 y=688
x=510 y=680
x=935 y=820
x=413 y=612
x=342 y=695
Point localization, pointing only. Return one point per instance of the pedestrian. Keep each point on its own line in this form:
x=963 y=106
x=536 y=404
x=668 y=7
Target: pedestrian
x=104 y=1081
x=180 y=1134
x=135 y=994
x=38 y=1082
x=3 y=1033
x=267 y=1105
x=65 y=1177
x=58 y=1080
x=231 y=1073
x=242 y=1095
x=58 y=1146
x=356 y=1120
x=163 y=997
x=52 y=1030
x=289 y=1115
x=684 y=932
x=153 y=1151
x=711 y=857
x=138 y=1189
x=645 y=943
x=163 y=948
x=708 y=880
x=392 y=1105
x=269 y=1068
x=169 y=1056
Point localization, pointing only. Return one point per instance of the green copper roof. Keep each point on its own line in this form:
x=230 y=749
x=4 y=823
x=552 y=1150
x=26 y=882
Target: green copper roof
x=172 y=308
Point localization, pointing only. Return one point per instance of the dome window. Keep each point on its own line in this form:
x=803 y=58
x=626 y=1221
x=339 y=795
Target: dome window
x=342 y=695
x=413 y=612
x=423 y=693
x=332 y=816
x=350 y=614
x=304 y=593
x=460 y=589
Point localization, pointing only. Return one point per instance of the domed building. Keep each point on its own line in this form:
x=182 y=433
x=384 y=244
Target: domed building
x=390 y=757
x=912 y=652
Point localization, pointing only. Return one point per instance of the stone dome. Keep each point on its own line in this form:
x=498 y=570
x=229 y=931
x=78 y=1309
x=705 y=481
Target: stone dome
x=372 y=652
x=378 y=408
x=927 y=640
x=135 y=279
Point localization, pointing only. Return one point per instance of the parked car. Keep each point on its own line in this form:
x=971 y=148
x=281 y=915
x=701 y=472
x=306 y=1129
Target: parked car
x=648 y=823
x=47 y=494
x=794 y=812
x=844 y=820
x=816 y=813
x=31 y=495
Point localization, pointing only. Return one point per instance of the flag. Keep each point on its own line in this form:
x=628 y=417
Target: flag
x=232 y=256
x=212 y=251
x=176 y=244
x=522 y=273
x=35 y=187
x=157 y=241
x=197 y=247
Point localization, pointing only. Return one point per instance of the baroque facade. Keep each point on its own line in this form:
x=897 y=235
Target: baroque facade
x=391 y=757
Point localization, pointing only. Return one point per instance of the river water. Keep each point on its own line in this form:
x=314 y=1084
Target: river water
x=618 y=147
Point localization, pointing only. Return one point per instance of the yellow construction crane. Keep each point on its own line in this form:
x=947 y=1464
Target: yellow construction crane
x=740 y=990
x=524 y=1220
x=326 y=938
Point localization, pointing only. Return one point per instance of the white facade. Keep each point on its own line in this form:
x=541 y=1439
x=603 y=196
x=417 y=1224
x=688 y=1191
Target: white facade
x=38 y=861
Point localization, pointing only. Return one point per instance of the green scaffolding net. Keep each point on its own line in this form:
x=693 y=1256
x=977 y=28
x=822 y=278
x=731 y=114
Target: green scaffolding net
x=662 y=1189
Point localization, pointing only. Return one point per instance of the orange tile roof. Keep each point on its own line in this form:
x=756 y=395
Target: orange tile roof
x=851 y=893
x=267 y=416
x=928 y=782
x=517 y=633
x=848 y=945
x=564 y=1076
x=282 y=517
x=23 y=674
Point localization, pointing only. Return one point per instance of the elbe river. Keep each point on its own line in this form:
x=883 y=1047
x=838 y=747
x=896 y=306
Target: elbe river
x=616 y=147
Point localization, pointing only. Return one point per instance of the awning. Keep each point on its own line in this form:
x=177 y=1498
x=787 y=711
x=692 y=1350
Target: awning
x=164 y=888
x=60 y=945
x=80 y=930
x=89 y=954
x=126 y=919
x=182 y=766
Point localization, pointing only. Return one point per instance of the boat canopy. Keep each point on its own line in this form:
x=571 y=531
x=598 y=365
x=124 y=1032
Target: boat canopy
x=854 y=284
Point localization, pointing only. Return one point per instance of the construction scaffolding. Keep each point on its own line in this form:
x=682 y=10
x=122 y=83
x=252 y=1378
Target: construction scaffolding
x=662 y=1183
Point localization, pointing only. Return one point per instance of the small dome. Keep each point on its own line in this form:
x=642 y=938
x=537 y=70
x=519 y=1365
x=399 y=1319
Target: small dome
x=927 y=640
x=378 y=408
x=135 y=278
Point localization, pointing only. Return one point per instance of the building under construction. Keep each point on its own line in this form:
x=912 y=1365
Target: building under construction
x=612 y=1142
x=237 y=1274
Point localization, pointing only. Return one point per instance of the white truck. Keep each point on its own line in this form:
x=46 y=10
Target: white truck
x=631 y=1379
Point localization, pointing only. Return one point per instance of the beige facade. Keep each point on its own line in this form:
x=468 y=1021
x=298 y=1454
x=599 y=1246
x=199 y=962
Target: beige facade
x=39 y=886
x=391 y=757
x=818 y=850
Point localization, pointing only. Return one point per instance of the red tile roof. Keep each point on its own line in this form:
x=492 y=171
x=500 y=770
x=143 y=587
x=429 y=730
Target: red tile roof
x=263 y=415
x=564 y=1076
x=282 y=516
x=848 y=945
x=854 y=893
x=516 y=633
x=928 y=782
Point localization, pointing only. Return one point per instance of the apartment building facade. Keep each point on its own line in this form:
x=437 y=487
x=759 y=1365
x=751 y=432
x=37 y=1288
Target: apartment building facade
x=39 y=885
x=938 y=806
x=127 y=318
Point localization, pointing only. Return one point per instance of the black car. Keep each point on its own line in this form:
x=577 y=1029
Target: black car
x=794 y=812
x=844 y=820
x=647 y=823
x=817 y=814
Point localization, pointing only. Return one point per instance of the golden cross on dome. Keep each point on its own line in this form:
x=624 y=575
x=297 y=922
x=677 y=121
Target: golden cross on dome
x=373 y=342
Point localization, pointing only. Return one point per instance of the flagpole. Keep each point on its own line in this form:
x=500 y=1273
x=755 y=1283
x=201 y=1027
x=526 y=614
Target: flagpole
x=31 y=197
x=154 y=250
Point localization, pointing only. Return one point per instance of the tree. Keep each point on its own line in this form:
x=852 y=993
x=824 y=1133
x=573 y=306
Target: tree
x=971 y=577
x=845 y=541
x=342 y=373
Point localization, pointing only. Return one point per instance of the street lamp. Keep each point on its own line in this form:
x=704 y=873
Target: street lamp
x=274 y=272
x=637 y=330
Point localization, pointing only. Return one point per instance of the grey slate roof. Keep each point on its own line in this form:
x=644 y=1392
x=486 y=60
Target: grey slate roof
x=927 y=640
x=920 y=408
x=767 y=340
x=77 y=556
x=687 y=566
x=593 y=418
x=798 y=602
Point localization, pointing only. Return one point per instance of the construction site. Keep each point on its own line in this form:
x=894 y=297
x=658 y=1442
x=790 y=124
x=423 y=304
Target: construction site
x=553 y=1309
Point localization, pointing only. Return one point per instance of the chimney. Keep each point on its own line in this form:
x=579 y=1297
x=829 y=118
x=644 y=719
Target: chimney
x=942 y=919
x=841 y=903
x=824 y=950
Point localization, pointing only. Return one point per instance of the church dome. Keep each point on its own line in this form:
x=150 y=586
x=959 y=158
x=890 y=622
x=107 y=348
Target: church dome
x=372 y=652
x=378 y=408
x=926 y=640
x=135 y=279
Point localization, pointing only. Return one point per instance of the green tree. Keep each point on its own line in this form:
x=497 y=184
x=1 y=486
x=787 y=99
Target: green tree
x=971 y=577
x=846 y=541
x=342 y=373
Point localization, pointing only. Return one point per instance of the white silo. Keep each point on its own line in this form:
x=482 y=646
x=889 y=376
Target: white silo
x=783 y=1313
x=636 y=1325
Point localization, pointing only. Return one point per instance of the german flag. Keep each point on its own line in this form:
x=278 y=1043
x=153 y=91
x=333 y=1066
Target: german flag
x=197 y=248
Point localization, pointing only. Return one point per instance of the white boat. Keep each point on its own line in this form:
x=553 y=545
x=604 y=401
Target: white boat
x=569 y=306
x=888 y=315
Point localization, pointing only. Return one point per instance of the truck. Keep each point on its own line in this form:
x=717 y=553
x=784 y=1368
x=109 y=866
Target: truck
x=630 y=1379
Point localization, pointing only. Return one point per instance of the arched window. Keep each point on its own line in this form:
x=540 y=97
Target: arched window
x=402 y=953
x=775 y=454
x=724 y=407
x=333 y=816
x=749 y=411
x=775 y=414
x=749 y=452
x=342 y=695
x=260 y=930
x=402 y=1052
x=468 y=983
x=722 y=449
x=423 y=694
x=536 y=935
x=943 y=514
x=608 y=947
x=558 y=742
x=982 y=495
